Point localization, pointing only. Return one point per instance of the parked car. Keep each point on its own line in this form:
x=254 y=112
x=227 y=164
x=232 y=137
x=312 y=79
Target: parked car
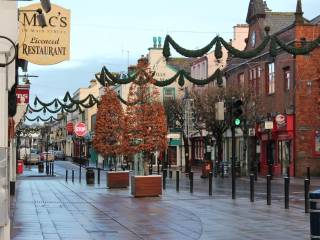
x=59 y=155
x=33 y=158
x=43 y=156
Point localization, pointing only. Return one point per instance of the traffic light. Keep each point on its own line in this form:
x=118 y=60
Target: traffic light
x=237 y=112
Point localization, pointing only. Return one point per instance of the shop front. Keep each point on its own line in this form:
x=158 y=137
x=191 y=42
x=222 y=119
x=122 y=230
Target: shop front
x=277 y=146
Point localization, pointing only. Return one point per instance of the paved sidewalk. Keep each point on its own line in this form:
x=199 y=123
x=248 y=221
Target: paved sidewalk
x=50 y=208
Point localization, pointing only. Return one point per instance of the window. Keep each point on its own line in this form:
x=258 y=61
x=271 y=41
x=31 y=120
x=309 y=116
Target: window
x=271 y=79
x=168 y=94
x=284 y=149
x=93 y=122
x=259 y=72
x=241 y=79
x=317 y=143
x=287 y=78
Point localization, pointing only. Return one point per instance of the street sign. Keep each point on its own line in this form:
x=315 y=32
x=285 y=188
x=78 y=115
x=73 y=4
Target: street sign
x=80 y=129
x=70 y=128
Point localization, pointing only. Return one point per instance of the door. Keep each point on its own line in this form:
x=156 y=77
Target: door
x=284 y=155
x=172 y=155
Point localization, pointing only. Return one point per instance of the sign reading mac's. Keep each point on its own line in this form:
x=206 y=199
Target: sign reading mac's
x=44 y=45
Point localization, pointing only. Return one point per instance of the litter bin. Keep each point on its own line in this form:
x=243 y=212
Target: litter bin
x=315 y=214
x=40 y=167
x=90 y=176
x=20 y=167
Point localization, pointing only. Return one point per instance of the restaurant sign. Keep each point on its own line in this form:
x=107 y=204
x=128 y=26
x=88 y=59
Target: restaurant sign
x=44 y=45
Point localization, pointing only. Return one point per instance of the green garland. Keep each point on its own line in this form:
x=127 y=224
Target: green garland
x=185 y=52
x=50 y=119
x=117 y=80
x=238 y=53
x=246 y=54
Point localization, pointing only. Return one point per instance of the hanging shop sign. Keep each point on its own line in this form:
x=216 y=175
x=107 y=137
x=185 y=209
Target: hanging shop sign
x=22 y=95
x=44 y=45
x=281 y=121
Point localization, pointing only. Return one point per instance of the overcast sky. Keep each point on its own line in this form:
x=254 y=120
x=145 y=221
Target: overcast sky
x=111 y=32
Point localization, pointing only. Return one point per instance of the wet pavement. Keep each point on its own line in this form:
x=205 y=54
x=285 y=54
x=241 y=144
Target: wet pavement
x=51 y=208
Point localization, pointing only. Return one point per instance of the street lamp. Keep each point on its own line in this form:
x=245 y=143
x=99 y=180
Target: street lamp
x=15 y=51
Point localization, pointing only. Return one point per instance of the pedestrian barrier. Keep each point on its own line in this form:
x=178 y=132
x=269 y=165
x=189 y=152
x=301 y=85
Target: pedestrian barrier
x=268 y=190
x=306 y=195
x=315 y=215
x=66 y=175
x=210 y=183
x=286 y=192
x=164 y=175
x=252 y=187
x=72 y=177
x=191 y=181
x=177 y=181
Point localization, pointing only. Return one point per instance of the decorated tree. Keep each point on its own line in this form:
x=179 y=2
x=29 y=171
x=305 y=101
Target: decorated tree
x=146 y=129
x=110 y=124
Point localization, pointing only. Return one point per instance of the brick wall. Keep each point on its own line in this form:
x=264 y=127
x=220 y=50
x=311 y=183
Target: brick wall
x=307 y=110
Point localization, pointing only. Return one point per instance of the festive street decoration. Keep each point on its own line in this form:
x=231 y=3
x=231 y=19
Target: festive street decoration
x=276 y=43
x=107 y=78
x=39 y=118
x=109 y=130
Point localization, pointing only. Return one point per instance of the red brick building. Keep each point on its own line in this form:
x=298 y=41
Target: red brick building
x=288 y=88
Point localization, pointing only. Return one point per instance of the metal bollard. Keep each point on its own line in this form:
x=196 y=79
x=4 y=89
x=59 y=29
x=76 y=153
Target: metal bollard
x=150 y=170
x=72 y=177
x=308 y=173
x=158 y=169
x=53 y=168
x=306 y=195
x=315 y=214
x=66 y=175
x=177 y=181
x=170 y=173
x=191 y=181
x=164 y=175
x=268 y=190
x=270 y=171
x=286 y=192
x=252 y=178
x=210 y=183
x=80 y=174
x=98 y=175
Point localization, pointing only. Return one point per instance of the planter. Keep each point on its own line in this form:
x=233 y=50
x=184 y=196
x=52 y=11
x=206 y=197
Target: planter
x=146 y=186
x=118 y=179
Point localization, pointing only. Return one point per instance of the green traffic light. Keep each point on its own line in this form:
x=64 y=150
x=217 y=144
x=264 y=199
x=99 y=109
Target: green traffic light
x=237 y=122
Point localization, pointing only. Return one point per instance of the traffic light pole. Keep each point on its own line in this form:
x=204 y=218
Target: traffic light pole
x=233 y=160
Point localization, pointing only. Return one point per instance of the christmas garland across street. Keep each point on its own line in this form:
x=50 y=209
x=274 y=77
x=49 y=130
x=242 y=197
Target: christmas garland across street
x=105 y=77
x=306 y=48
x=50 y=119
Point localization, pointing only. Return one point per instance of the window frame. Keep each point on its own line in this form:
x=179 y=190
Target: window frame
x=271 y=78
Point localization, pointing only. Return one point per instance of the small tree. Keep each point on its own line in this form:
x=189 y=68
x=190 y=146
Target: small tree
x=146 y=122
x=109 y=130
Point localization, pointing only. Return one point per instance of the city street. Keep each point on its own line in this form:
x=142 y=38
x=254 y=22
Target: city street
x=50 y=208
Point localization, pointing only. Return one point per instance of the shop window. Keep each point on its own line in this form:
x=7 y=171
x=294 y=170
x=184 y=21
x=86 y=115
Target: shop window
x=284 y=150
x=317 y=143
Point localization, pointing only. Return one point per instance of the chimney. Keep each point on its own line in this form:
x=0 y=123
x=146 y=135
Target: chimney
x=154 y=42
x=159 y=42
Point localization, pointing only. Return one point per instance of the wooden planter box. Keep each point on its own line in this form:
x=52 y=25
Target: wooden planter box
x=146 y=186
x=118 y=179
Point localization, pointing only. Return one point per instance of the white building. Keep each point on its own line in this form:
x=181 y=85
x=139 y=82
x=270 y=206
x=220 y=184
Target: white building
x=8 y=28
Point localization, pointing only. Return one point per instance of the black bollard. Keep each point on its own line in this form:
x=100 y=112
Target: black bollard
x=270 y=170
x=158 y=168
x=170 y=173
x=150 y=170
x=252 y=178
x=306 y=195
x=177 y=181
x=268 y=190
x=98 y=175
x=164 y=175
x=66 y=175
x=286 y=192
x=52 y=168
x=308 y=173
x=210 y=183
x=191 y=181
x=72 y=176
x=80 y=174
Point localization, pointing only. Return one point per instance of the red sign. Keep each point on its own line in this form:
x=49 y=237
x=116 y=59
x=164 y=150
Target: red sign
x=22 y=95
x=70 y=128
x=80 y=129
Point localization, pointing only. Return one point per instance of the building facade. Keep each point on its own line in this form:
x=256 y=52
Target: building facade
x=287 y=87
